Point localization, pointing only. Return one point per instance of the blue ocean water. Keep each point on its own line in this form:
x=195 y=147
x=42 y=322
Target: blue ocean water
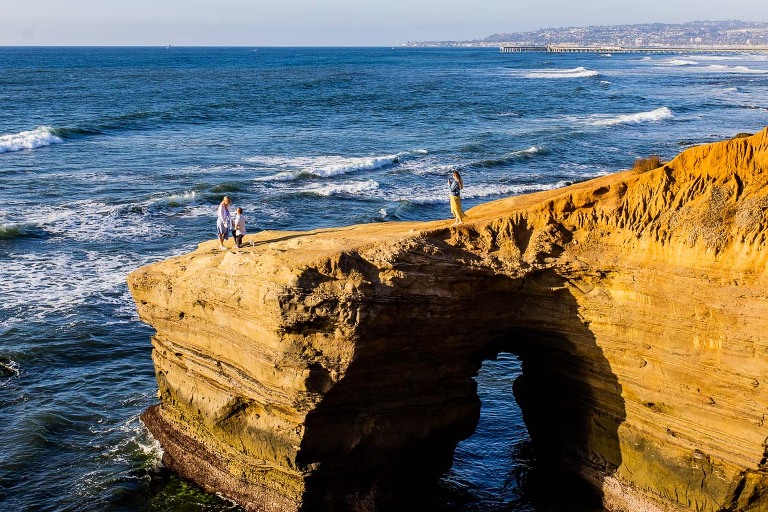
x=112 y=158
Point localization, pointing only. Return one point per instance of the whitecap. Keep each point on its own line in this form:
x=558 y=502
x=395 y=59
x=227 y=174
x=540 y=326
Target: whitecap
x=13 y=230
x=720 y=68
x=176 y=199
x=681 y=62
x=506 y=190
x=659 y=114
x=437 y=196
x=356 y=188
x=8 y=368
x=579 y=72
x=37 y=138
x=291 y=168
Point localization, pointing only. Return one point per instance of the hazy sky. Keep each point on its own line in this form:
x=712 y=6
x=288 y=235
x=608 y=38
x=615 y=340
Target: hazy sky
x=330 y=22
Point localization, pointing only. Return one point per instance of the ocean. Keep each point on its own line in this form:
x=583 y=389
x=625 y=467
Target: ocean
x=113 y=158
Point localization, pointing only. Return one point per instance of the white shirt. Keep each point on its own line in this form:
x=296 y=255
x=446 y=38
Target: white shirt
x=239 y=224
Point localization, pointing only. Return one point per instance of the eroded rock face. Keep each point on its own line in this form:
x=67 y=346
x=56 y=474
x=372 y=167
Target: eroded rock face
x=332 y=369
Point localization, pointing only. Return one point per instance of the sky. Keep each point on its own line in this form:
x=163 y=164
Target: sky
x=330 y=22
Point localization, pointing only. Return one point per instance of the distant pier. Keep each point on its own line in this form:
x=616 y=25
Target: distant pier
x=630 y=49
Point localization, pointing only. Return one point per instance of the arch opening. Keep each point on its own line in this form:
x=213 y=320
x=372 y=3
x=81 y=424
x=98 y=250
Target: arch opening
x=399 y=440
x=499 y=467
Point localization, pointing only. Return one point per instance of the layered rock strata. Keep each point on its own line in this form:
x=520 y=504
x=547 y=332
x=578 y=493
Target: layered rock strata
x=333 y=369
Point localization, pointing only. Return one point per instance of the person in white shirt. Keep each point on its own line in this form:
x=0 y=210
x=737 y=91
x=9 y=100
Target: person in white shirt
x=238 y=224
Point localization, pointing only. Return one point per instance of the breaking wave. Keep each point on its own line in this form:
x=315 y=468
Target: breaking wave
x=8 y=368
x=343 y=189
x=580 y=72
x=720 y=68
x=511 y=157
x=659 y=114
x=39 y=137
x=681 y=62
x=325 y=166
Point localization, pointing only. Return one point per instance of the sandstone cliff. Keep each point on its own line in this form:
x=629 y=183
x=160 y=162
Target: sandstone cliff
x=327 y=369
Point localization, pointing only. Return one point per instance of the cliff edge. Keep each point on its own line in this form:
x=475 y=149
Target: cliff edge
x=332 y=369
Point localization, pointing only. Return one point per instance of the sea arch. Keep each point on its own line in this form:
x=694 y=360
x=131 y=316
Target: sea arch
x=409 y=396
x=314 y=359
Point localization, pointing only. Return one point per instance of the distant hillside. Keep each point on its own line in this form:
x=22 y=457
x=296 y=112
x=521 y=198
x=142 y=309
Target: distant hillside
x=736 y=33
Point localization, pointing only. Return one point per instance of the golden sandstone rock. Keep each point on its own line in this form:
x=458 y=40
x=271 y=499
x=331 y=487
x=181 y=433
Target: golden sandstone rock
x=332 y=369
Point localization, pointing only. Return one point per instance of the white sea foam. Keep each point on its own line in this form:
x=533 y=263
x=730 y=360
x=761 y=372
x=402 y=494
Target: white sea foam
x=83 y=220
x=720 y=68
x=512 y=155
x=582 y=171
x=651 y=116
x=9 y=367
x=580 y=72
x=126 y=442
x=148 y=446
x=437 y=196
x=37 y=138
x=14 y=221
x=183 y=198
x=496 y=190
x=430 y=166
x=291 y=168
x=355 y=188
x=58 y=283
x=681 y=62
x=431 y=192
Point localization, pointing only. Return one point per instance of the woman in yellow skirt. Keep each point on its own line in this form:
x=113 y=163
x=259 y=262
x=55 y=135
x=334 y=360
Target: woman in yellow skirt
x=455 y=183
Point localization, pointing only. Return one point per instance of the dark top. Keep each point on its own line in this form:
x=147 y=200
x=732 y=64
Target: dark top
x=455 y=188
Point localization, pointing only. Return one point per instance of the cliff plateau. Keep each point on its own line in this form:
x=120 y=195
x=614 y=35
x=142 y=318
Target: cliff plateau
x=333 y=369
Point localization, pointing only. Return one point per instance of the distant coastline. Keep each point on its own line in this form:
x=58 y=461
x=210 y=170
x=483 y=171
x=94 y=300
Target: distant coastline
x=562 y=48
x=726 y=34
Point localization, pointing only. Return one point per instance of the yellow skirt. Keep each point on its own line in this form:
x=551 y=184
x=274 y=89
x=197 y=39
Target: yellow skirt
x=456 y=210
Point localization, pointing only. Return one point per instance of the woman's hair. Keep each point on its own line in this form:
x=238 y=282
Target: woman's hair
x=458 y=178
